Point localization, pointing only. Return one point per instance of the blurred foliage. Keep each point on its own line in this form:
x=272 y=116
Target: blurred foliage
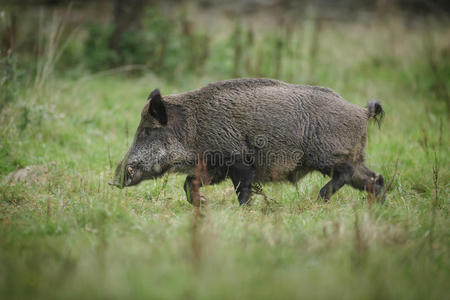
x=97 y=53
x=158 y=46
x=9 y=79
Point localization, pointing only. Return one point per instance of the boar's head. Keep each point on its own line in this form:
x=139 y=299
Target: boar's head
x=157 y=146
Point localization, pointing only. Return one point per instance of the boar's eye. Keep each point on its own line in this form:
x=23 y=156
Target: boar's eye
x=146 y=131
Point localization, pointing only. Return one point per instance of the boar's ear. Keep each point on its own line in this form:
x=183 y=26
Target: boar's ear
x=157 y=108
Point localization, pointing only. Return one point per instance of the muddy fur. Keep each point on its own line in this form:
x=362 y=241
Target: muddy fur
x=253 y=130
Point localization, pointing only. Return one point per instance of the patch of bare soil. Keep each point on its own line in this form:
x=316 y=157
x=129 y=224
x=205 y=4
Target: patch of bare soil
x=29 y=174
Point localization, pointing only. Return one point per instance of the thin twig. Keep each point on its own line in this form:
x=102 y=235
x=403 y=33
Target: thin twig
x=109 y=157
x=257 y=189
x=389 y=185
x=163 y=185
x=434 y=202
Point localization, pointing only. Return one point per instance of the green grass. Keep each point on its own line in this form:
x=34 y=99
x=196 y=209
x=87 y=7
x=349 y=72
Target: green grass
x=70 y=235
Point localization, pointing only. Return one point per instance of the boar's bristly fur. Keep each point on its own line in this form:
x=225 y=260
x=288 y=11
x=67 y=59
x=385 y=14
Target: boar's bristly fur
x=252 y=131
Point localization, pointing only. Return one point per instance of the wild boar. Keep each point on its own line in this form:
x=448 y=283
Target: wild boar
x=252 y=131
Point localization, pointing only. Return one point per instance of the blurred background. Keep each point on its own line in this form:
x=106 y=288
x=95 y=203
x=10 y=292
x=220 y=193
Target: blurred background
x=293 y=40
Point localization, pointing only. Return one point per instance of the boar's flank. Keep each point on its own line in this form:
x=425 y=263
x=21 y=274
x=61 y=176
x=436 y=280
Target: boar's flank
x=251 y=130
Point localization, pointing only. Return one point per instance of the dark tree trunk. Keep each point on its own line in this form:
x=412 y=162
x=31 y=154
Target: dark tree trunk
x=8 y=37
x=127 y=16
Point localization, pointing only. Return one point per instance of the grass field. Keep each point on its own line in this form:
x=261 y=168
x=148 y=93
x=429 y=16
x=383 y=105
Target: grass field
x=65 y=233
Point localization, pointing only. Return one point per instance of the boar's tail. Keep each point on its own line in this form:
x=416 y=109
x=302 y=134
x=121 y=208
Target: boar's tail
x=375 y=111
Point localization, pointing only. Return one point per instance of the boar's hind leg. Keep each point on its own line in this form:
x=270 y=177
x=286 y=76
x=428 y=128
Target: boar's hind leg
x=242 y=177
x=365 y=179
x=340 y=175
x=191 y=188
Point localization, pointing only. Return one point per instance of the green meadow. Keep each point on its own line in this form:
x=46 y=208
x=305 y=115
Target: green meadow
x=66 y=234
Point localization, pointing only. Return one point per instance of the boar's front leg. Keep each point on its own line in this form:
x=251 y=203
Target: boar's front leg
x=192 y=189
x=242 y=177
x=340 y=175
